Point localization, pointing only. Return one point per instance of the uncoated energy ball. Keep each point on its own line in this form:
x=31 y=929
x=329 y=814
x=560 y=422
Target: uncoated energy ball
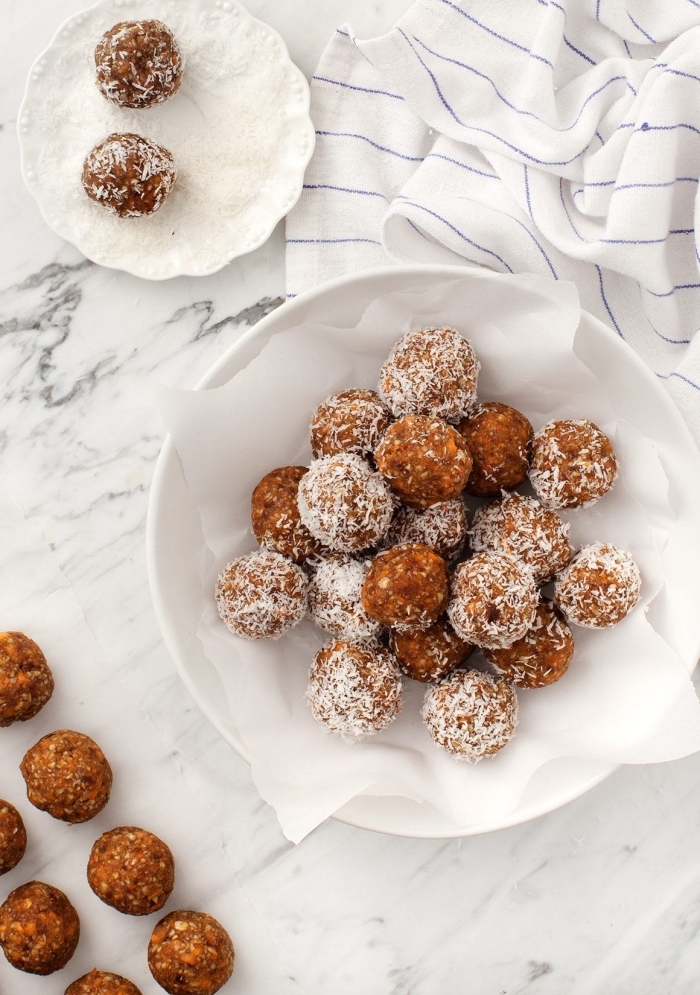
x=26 y=682
x=13 y=837
x=190 y=953
x=102 y=983
x=424 y=459
x=499 y=439
x=68 y=776
x=132 y=870
x=406 y=587
x=429 y=654
x=128 y=175
x=543 y=654
x=274 y=512
x=39 y=928
x=352 y=422
x=138 y=64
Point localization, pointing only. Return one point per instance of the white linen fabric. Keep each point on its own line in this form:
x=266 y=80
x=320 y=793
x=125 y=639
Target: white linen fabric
x=560 y=138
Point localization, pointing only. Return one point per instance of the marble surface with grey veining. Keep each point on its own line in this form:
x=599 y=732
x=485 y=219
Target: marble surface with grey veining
x=599 y=898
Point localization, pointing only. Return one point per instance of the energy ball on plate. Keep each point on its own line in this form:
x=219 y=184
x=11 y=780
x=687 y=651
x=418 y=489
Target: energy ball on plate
x=350 y=422
x=39 y=928
x=344 y=503
x=542 y=656
x=354 y=690
x=335 y=598
x=274 y=512
x=431 y=372
x=13 y=837
x=499 y=439
x=261 y=595
x=470 y=715
x=493 y=600
x=138 y=64
x=424 y=459
x=128 y=175
x=26 y=682
x=429 y=654
x=132 y=870
x=68 y=776
x=406 y=587
x=599 y=587
x=102 y=983
x=442 y=526
x=573 y=464
x=190 y=953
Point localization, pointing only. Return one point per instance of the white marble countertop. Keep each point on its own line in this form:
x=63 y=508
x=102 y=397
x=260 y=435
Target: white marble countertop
x=598 y=898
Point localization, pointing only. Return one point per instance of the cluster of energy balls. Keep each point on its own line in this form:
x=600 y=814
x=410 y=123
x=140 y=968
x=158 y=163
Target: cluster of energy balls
x=370 y=541
x=138 y=64
x=130 y=869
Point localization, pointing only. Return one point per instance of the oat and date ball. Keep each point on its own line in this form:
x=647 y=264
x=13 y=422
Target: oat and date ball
x=344 y=503
x=350 y=422
x=131 y=870
x=542 y=656
x=102 y=983
x=26 y=682
x=138 y=64
x=428 y=655
x=442 y=526
x=406 y=587
x=499 y=439
x=599 y=587
x=39 y=928
x=190 y=953
x=432 y=371
x=573 y=464
x=128 y=175
x=493 y=599
x=335 y=598
x=521 y=526
x=261 y=595
x=424 y=459
x=13 y=837
x=470 y=714
x=274 y=513
x=354 y=690
x=68 y=776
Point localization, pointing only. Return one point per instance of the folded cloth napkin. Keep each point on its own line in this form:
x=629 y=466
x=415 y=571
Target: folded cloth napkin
x=560 y=138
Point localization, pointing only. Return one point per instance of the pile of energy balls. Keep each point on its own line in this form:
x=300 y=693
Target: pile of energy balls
x=372 y=541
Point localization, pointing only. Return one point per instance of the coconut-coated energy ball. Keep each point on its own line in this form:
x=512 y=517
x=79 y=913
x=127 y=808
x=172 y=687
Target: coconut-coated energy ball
x=493 y=600
x=190 y=953
x=499 y=439
x=599 y=587
x=128 y=175
x=573 y=464
x=274 y=513
x=406 y=587
x=102 y=983
x=542 y=656
x=424 y=459
x=26 y=682
x=39 y=928
x=433 y=372
x=470 y=715
x=138 y=64
x=13 y=837
x=68 y=776
x=335 y=598
x=131 y=870
x=429 y=654
x=261 y=595
x=350 y=422
x=442 y=526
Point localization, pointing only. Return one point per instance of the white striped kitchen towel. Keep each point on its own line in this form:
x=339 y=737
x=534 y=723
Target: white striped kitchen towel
x=559 y=137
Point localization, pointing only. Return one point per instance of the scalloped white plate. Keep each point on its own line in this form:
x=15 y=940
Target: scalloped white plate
x=238 y=128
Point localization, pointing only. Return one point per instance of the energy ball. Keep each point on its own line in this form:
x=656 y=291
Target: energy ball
x=442 y=526
x=39 y=928
x=26 y=682
x=424 y=459
x=274 y=513
x=68 y=776
x=499 y=439
x=350 y=422
x=128 y=175
x=470 y=715
x=190 y=953
x=599 y=587
x=542 y=656
x=261 y=595
x=493 y=600
x=132 y=870
x=429 y=654
x=406 y=587
x=335 y=599
x=573 y=464
x=431 y=372
x=344 y=503
x=13 y=837
x=354 y=690
x=522 y=527
x=102 y=983
x=138 y=64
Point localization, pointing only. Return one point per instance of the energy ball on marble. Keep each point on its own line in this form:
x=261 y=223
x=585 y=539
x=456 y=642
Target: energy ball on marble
x=433 y=372
x=470 y=715
x=406 y=587
x=499 y=439
x=493 y=600
x=39 y=928
x=350 y=422
x=541 y=657
x=13 y=837
x=190 y=953
x=573 y=464
x=344 y=503
x=131 y=870
x=138 y=64
x=128 y=175
x=274 y=512
x=68 y=776
x=102 y=983
x=354 y=690
x=424 y=459
x=599 y=587
x=429 y=654
x=442 y=526
x=26 y=682
x=335 y=598
x=261 y=595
